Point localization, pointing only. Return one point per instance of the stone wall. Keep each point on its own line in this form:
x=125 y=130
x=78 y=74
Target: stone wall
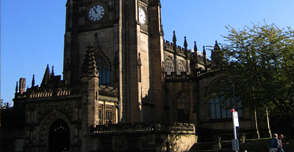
x=143 y=137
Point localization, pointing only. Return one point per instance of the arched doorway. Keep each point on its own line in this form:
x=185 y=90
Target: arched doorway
x=59 y=137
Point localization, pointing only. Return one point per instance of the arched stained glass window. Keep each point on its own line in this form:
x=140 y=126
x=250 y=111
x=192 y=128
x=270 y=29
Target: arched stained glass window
x=183 y=106
x=222 y=97
x=180 y=68
x=103 y=69
x=168 y=66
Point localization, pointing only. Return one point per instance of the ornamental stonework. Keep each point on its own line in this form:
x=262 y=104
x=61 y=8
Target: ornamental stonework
x=64 y=107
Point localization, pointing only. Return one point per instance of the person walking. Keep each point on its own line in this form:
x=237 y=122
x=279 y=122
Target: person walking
x=274 y=143
x=281 y=136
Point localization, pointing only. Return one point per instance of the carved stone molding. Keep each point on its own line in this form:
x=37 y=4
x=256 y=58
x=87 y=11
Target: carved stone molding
x=47 y=107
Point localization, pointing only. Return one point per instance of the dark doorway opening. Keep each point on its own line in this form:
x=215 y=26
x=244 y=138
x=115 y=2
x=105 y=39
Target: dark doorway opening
x=59 y=137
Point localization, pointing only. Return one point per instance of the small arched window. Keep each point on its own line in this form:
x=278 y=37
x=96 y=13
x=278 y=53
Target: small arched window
x=103 y=68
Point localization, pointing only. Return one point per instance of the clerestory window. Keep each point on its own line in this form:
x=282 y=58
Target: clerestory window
x=168 y=66
x=180 y=69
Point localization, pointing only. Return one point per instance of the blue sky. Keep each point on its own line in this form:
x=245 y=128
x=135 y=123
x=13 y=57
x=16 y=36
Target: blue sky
x=32 y=31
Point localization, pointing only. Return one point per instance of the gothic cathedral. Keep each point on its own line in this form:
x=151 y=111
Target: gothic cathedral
x=125 y=88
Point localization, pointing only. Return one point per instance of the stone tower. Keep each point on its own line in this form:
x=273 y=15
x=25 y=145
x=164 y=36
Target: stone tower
x=128 y=45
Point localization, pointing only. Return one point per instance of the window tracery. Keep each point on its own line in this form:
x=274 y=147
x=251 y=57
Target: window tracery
x=183 y=106
x=168 y=66
x=103 y=68
x=181 y=68
x=222 y=98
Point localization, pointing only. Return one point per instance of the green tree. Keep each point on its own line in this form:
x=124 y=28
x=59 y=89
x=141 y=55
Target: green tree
x=261 y=63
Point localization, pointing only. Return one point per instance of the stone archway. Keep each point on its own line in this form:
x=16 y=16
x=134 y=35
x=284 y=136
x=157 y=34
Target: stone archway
x=59 y=136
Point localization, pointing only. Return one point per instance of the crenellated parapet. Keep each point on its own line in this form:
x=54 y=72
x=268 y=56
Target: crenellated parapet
x=38 y=92
x=168 y=46
x=49 y=92
x=55 y=87
x=144 y=128
x=175 y=77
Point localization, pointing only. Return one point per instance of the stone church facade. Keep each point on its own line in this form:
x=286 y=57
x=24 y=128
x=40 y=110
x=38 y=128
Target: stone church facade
x=125 y=88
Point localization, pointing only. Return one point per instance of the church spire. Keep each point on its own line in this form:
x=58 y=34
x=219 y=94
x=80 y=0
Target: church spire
x=46 y=76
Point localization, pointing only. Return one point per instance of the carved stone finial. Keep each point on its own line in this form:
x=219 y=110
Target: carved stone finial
x=33 y=81
x=195 y=47
x=185 y=42
x=174 y=37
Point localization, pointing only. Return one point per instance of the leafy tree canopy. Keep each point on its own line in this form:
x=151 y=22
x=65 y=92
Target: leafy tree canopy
x=261 y=63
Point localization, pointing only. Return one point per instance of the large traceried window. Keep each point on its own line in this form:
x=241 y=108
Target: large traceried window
x=103 y=69
x=183 y=106
x=169 y=67
x=222 y=97
x=180 y=68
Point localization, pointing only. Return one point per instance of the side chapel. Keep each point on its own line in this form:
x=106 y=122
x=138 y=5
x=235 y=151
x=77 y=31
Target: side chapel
x=125 y=88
